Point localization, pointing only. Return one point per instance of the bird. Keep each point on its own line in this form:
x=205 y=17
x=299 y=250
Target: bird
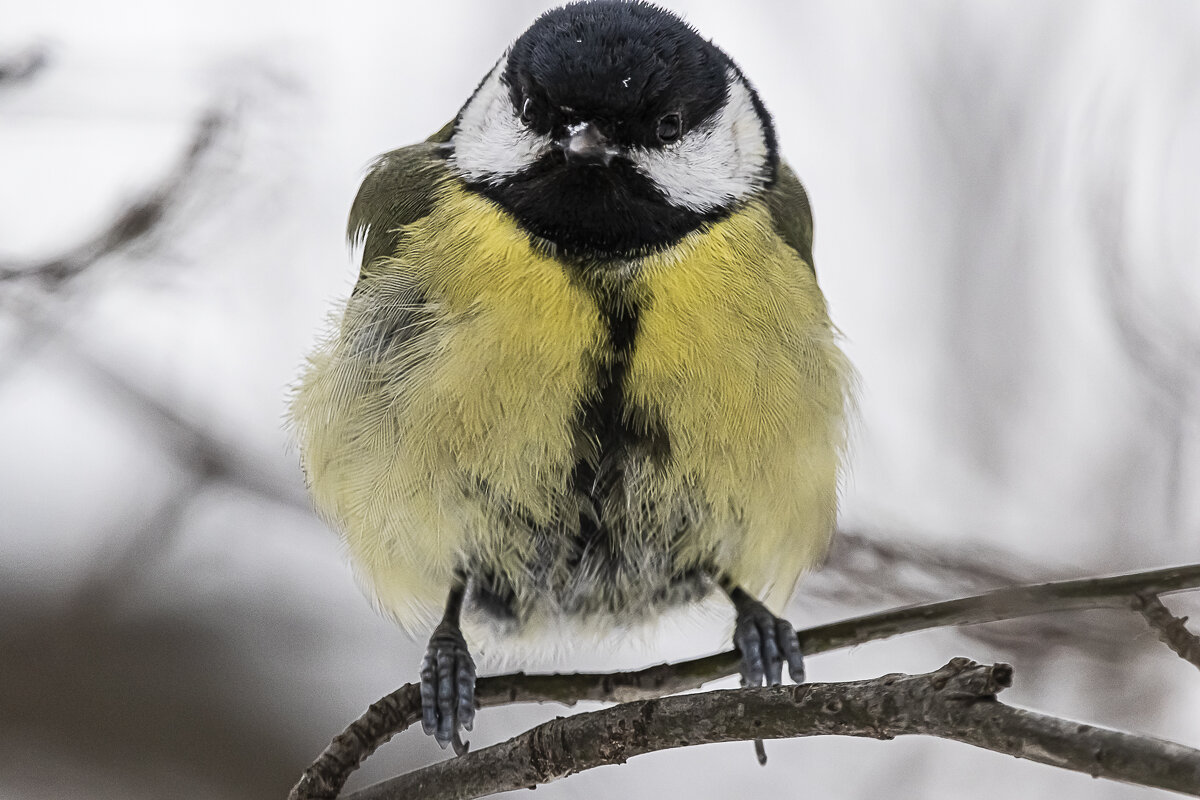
x=586 y=373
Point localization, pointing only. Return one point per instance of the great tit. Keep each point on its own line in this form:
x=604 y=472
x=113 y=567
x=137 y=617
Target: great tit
x=586 y=373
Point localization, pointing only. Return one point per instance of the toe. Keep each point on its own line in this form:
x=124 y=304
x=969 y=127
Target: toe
x=446 y=705
x=466 y=690
x=429 y=694
x=790 y=644
x=772 y=660
x=748 y=640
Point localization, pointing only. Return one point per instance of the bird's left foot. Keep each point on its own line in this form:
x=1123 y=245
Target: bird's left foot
x=766 y=643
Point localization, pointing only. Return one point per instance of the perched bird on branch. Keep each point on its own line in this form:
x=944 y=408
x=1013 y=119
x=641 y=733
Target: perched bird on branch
x=586 y=373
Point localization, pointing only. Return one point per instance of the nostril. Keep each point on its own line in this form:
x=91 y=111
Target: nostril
x=585 y=143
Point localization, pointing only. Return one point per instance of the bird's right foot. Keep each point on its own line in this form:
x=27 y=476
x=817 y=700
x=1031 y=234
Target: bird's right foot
x=448 y=687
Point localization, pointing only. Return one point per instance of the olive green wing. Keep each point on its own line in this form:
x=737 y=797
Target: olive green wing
x=791 y=214
x=398 y=190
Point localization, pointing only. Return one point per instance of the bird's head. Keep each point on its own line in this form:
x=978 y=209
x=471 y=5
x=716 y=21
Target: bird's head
x=611 y=127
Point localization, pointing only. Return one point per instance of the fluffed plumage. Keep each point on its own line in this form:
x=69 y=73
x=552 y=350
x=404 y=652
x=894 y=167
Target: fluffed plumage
x=586 y=371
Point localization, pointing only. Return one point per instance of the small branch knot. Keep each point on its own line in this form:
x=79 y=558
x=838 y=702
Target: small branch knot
x=1002 y=674
x=966 y=681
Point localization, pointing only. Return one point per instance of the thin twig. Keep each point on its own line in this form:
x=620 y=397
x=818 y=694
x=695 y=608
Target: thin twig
x=924 y=573
x=956 y=702
x=395 y=712
x=1171 y=630
x=23 y=65
x=201 y=449
x=133 y=222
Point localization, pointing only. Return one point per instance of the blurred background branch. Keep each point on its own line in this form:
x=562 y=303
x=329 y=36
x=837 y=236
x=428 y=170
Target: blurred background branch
x=22 y=65
x=134 y=223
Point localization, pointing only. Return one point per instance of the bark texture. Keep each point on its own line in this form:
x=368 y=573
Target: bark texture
x=324 y=779
x=956 y=702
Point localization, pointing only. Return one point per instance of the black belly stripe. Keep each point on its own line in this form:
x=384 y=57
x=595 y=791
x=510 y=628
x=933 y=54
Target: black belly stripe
x=604 y=433
x=610 y=432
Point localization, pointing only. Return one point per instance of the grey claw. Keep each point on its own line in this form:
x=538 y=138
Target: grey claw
x=445 y=699
x=748 y=640
x=466 y=691
x=428 y=695
x=772 y=662
x=766 y=642
x=791 y=649
x=447 y=687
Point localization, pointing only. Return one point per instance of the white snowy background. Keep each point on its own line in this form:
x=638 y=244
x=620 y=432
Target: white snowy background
x=1007 y=230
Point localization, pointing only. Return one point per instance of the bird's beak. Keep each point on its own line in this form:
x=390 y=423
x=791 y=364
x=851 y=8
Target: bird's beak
x=586 y=144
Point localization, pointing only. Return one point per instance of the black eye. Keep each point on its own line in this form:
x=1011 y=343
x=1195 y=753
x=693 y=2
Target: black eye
x=669 y=128
x=527 y=111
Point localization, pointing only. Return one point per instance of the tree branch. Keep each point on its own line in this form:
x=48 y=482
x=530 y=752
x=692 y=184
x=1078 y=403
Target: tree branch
x=325 y=777
x=956 y=702
x=1171 y=630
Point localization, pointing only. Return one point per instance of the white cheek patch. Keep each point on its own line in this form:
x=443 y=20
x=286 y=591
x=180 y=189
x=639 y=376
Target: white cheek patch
x=491 y=143
x=716 y=163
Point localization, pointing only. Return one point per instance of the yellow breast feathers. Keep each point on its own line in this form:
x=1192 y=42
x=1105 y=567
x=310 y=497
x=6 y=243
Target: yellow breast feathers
x=447 y=402
x=737 y=354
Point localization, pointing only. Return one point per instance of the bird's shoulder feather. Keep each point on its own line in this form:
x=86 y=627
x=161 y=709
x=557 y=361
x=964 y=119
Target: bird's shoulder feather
x=398 y=190
x=791 y=213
